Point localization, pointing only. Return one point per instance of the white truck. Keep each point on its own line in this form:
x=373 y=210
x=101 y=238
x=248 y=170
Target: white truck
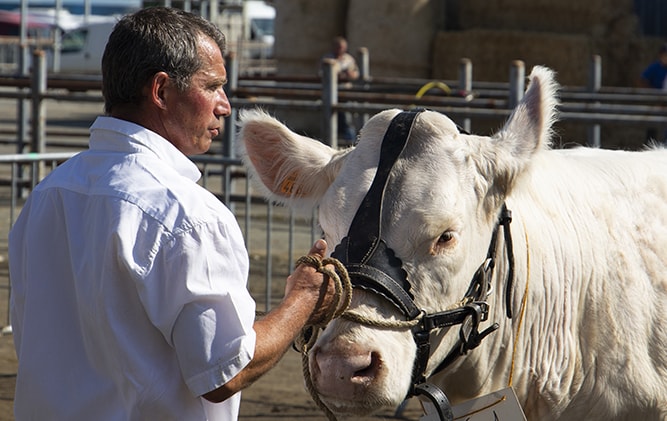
x=249 y=27
x=81 y=48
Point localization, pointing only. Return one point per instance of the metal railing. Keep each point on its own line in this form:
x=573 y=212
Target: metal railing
x=271 y=232
x=274 y=236
x=464 y=100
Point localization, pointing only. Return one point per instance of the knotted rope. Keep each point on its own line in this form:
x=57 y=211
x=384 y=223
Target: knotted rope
x=305 y=341
x=341 y=301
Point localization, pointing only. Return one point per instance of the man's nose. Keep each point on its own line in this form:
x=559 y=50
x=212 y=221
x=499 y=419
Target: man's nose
x=223 y=107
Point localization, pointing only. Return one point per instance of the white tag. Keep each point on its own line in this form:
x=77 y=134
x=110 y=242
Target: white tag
x=501 y=405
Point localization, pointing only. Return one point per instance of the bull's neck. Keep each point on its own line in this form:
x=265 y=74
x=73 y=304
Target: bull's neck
x=491 y=366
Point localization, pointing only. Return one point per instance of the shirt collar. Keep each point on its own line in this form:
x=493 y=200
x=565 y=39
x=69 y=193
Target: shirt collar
x=106 y=133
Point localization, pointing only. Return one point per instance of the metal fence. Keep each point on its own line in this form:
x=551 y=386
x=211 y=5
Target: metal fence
x=274 y=236
x=463 y=100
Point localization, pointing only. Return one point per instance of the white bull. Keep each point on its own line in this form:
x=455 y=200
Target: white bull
x=590 y=245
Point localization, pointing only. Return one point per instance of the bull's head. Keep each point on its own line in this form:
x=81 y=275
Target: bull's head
x=440 y=206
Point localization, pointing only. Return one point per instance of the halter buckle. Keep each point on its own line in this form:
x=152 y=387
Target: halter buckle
x=469 y=333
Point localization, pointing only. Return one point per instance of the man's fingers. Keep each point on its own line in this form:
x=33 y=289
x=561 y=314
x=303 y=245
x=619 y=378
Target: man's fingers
x=319 y=248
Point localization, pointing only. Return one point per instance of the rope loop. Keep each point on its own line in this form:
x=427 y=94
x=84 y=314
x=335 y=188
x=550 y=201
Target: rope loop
x=340 y=278
x=342 y=299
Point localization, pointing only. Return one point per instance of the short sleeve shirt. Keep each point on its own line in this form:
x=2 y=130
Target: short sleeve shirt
x=345 y=61
x=129 y=287
x=656 y=75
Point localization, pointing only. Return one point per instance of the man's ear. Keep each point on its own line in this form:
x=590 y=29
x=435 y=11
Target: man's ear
x=156 y=89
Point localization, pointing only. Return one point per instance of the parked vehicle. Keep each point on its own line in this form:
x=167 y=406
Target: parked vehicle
x=248 y=26
x=81 y=48
x=259 y=18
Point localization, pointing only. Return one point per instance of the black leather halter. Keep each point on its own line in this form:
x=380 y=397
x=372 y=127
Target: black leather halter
x=373 y=266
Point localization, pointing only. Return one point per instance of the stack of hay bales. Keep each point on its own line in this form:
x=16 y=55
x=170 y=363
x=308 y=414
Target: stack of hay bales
x=428 y=38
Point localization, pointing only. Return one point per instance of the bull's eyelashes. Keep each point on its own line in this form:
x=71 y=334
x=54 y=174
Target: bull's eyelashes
x=446 y=241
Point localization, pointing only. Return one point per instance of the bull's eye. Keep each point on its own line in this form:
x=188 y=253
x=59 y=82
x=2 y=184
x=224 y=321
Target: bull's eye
x=444 y=242
x=446 y=237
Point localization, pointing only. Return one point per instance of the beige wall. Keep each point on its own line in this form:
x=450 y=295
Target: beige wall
x=416 y=38
x=491 y=53
x=405 y=37
x=304 y=29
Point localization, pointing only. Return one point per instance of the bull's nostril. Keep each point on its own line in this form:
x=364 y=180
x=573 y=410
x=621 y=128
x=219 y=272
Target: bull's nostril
x=368 y=373
x=344 y=372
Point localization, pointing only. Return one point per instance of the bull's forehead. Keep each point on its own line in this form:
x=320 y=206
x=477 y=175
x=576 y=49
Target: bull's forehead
x=425 y=183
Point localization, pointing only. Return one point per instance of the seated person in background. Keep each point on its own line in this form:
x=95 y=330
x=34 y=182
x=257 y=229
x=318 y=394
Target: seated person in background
x=655 y=76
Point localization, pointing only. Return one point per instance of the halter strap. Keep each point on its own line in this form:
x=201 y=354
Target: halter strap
x=371 y=264
x=367 y=221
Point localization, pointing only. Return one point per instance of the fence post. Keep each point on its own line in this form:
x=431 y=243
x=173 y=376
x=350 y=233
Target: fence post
x=230 y=120
x=229 y=134
x=365 y=79
x=517 y=83
x=594 y=84
x=465 y=85
x=38 y=123
x=24 y=65
x=329 y=102
x=364 y=65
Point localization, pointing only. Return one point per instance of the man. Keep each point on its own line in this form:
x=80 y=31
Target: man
x=129 y=296
x=348 y=71
x=655 y=74
x=347 y=65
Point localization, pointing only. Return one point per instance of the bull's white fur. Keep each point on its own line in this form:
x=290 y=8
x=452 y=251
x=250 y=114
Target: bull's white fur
x=590 y=233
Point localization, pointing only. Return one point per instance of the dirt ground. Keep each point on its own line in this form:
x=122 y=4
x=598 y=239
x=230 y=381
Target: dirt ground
x=7 y=377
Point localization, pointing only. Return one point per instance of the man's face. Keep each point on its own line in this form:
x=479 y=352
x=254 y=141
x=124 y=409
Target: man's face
x=339 y=49
x=663 y=59
x=195 y=116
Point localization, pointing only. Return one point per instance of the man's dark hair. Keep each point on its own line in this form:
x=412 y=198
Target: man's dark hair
x=152 y=40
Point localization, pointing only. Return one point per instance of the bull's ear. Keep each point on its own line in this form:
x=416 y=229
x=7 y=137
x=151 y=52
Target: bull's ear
x=287 y=168
x=527 y=131
x=529 y=127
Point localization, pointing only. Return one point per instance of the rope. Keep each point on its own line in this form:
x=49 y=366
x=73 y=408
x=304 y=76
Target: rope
x=385 y=324
x=342 y=298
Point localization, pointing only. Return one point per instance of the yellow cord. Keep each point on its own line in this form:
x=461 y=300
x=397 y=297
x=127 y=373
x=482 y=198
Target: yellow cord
x=430 y=85
x=523 y=308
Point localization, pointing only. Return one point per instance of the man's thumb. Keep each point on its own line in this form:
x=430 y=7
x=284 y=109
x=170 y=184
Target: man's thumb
x=319 y=248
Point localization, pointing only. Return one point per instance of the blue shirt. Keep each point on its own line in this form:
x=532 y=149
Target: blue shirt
x=655 y=74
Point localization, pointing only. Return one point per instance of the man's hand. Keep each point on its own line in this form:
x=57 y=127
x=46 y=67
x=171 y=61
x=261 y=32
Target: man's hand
x=309 y=298
x=313 y=286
